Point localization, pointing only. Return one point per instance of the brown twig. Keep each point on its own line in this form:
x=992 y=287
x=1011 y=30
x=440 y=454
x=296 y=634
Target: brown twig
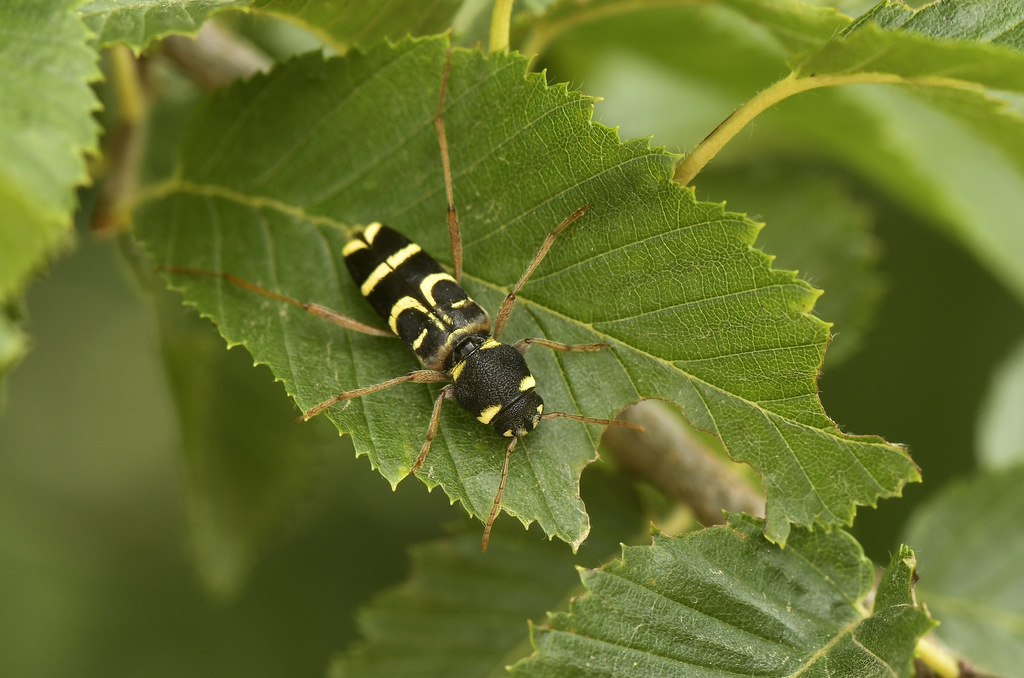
x=215 y=56
x=672 y=459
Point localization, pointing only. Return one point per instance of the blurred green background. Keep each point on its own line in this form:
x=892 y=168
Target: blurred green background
x=97 y=569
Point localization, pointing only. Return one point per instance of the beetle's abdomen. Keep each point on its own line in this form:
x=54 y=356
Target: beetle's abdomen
x=495 y=384
x=410 y=291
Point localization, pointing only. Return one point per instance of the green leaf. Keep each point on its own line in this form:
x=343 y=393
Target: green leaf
x=953 y=156
x=724 y=601
x=817 y=228
x=356 y=22
x=275 y=170
x=465 y=613
x=972 y=580
x=137 y=23
x=947 y=44
x=1000 y=433
x=958 y=43
x=970 y=41
x=46 y=127
x=244 y=464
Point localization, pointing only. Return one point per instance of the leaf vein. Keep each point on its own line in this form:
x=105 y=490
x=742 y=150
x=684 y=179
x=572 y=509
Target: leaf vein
x=311 y=131
x=695 y=303
x=796 y=459
x=752 y=352
x=847 y=450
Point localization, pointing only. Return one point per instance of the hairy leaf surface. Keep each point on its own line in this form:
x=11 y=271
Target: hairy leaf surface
x=276 y=172
x=818 y=229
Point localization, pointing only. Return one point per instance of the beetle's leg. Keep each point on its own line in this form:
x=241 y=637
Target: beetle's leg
x=506 y=306
x=435 y=416
x=417 y=376
x=497 y=498
x=592 y=420
x=525 y=344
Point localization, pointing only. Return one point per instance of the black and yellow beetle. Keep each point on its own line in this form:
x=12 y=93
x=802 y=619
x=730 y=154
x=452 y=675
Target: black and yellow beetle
x=428 y=309
x=449 y=332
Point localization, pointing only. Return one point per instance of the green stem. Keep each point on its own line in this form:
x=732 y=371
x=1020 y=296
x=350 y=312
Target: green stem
x=131 y=100
x=937 y=657
x=792 y=84
x=124 y=144
x=501 y=25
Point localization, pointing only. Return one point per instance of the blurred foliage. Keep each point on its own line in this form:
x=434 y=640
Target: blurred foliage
x=974 y=538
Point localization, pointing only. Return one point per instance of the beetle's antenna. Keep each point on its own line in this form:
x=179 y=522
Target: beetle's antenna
x=593 y=420
x=506 y=306
x=315 y=309
x=454 y=233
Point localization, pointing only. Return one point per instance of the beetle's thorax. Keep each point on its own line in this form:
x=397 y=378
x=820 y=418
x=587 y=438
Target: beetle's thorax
x=493 y=382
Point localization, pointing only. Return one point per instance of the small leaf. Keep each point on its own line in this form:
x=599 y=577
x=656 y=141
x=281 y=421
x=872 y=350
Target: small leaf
x=973 y=540
x=275 y=171
x=724 y=601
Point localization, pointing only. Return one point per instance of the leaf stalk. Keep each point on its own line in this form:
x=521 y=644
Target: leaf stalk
x=937 y=657
x=131 y=98
x=694 y=162
x=501 y=25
